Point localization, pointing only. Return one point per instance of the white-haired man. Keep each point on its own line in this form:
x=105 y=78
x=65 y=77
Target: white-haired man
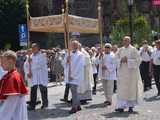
x=129 y=81
x=108 y=71
x=73 y=72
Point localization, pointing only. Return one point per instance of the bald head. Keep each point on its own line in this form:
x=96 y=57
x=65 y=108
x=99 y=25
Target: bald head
x=75 y=45
x=126 y=41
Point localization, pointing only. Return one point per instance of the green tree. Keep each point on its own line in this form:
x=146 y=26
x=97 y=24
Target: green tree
x=141 y=30
x=12 y=13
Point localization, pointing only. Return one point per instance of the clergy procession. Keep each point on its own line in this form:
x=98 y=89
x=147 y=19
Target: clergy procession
x=125 y=71
x=79 y=60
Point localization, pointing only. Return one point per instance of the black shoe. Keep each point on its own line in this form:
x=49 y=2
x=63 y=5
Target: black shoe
x=44 y=106
x=64 y=100
x=107 y=103
x=94 y=92
x=83 y=102
x=38 y=102
x=130 y=110
x=119 y=110
x=30 y=108
x=79 y=108
x=29 y=102
x=158 y=94
x=72 y=111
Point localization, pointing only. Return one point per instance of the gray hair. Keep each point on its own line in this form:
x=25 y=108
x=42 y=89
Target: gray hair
x=10 y=54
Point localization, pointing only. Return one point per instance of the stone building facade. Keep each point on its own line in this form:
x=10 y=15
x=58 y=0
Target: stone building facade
x=112 y=10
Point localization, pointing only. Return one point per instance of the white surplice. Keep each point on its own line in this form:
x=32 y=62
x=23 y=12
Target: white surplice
x=76 y=67
x=84 y=89
x=2 y=72
x=39 y=69
x=13 y=108
x=111 y=65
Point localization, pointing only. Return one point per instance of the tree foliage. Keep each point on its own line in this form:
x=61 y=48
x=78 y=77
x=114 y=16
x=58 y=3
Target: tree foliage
x=12 y=13
x=141 y=30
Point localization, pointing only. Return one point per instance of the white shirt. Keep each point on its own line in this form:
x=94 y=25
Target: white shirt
x=146 y=55
x=110 y=62
x=156 y=57
x=94 y=64
x=76 y=67
x=39 y=69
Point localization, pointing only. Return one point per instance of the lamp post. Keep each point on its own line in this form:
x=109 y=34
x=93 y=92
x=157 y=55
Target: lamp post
x=130 y=5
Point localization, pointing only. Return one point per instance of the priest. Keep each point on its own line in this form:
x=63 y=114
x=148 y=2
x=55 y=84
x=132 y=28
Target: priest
x=129 y=82
x=73 y=73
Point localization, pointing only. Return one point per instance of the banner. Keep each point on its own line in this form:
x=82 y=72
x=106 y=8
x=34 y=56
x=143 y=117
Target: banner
x=23 y=34
x=55 y=23
x=156 y=2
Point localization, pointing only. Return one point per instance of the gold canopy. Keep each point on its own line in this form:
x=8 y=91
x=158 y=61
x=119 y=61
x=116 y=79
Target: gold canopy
x=55 y=23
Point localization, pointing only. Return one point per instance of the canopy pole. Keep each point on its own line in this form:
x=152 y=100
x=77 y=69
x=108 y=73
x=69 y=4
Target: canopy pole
x=100 y=34
x=100 y=23
x=68 y=38
x=67 y=25
x=64 y=23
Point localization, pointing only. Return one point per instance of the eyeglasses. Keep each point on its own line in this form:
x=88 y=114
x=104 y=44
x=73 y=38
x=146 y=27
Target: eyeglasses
x=107 y=47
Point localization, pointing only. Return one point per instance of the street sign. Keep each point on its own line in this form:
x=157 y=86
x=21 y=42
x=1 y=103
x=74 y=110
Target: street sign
x=23 y=34
x=156 y=2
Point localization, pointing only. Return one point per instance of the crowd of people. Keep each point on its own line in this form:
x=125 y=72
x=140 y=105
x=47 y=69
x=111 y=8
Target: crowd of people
x=124 y=70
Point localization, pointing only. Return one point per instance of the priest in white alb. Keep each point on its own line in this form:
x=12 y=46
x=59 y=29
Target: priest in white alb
x=39 y=77
x=73 y=74
x=129 y=83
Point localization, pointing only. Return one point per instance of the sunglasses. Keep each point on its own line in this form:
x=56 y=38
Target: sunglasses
x=107 y=47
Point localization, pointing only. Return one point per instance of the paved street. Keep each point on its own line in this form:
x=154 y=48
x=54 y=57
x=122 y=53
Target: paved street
x=149 y=109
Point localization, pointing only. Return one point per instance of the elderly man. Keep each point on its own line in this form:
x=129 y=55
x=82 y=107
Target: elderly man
x=73 y=72
x=108 y=73
x=129 y=80
x=39 y=77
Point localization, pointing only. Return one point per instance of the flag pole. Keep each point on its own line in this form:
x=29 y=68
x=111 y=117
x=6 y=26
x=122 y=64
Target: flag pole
x=28 y=23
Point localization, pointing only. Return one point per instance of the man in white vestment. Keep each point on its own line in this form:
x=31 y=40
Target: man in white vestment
x=39 y=77
x=73 y=74
x=84 y=89
x=108 y=73
x=129 y=81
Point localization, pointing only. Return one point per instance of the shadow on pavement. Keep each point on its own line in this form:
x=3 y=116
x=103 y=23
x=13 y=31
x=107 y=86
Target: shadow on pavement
x=62 y=105
x=95 y=106
x=153 y=98
x=60 y=111
x=119 y=115
x=48 y=113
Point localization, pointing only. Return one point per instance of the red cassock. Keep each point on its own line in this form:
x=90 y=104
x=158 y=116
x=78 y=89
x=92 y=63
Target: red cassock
x=12 y=84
